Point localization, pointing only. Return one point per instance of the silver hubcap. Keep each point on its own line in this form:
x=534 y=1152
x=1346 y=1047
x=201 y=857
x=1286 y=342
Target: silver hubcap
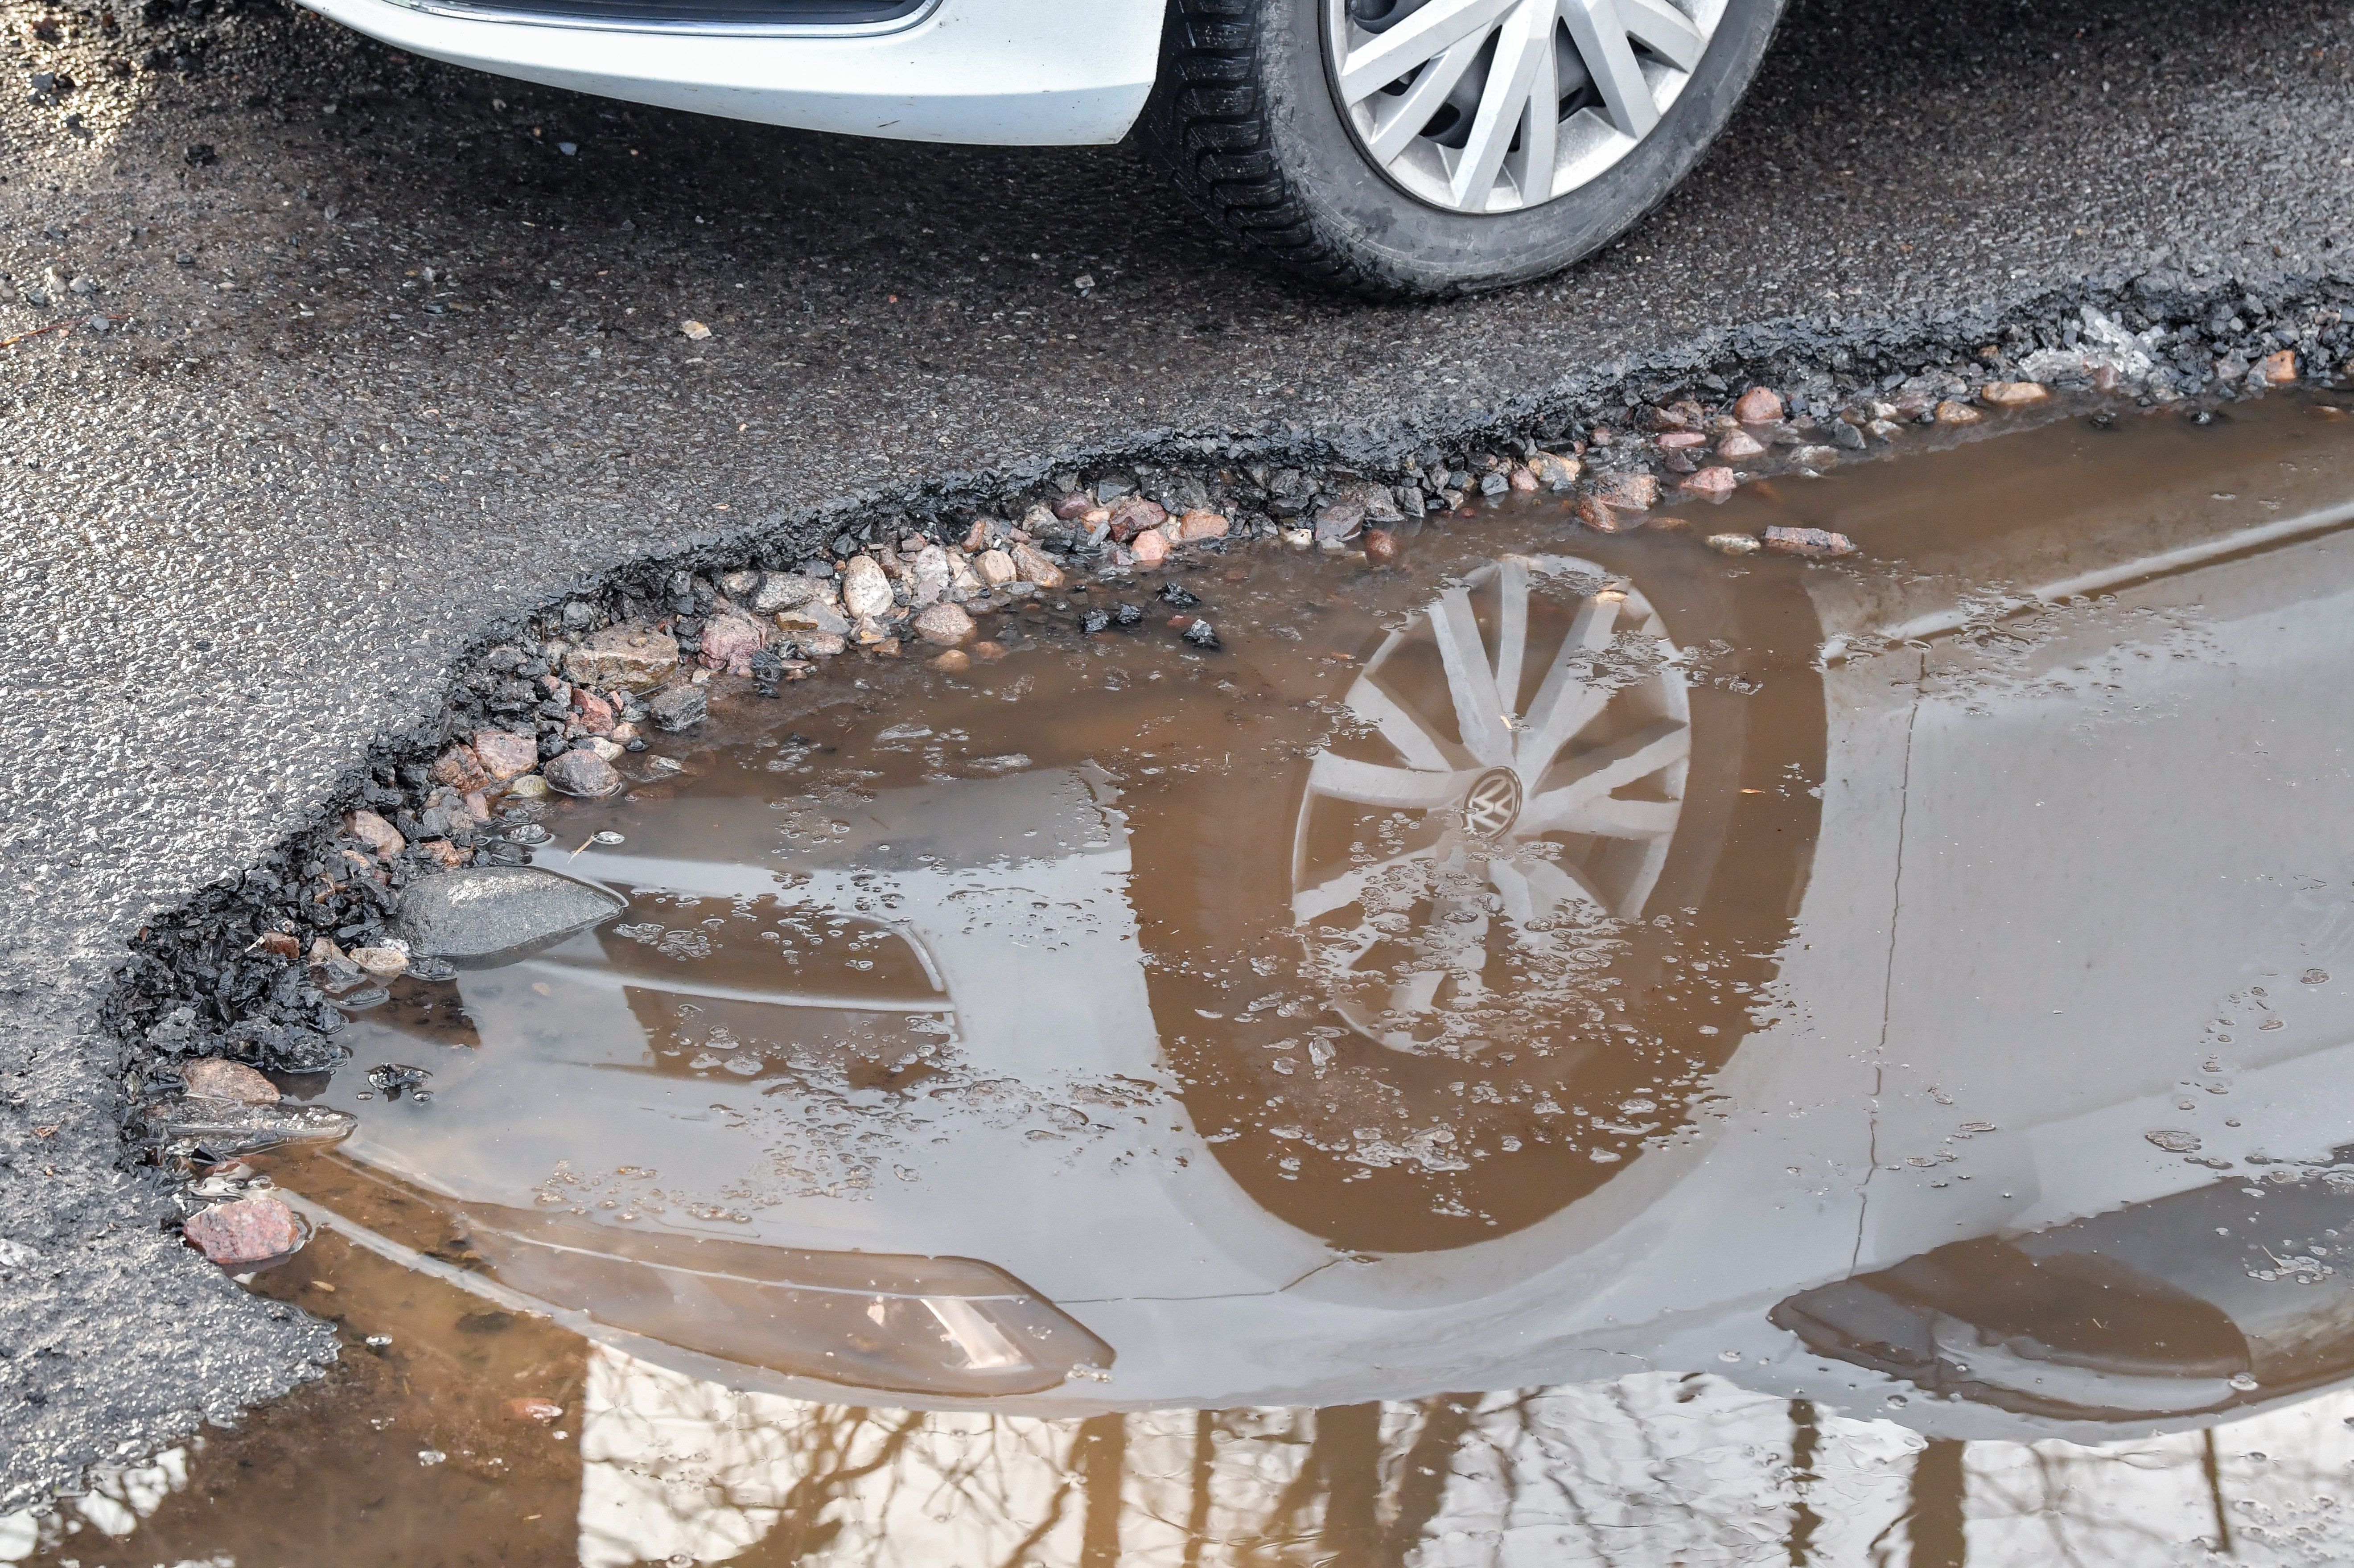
x=1488 y=106
x=1523 y=744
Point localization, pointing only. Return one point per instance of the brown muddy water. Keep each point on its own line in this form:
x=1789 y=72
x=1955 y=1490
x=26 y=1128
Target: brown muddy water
x=1571 y=1049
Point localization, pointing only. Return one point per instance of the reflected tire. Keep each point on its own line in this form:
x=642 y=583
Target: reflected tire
x=1739 y=790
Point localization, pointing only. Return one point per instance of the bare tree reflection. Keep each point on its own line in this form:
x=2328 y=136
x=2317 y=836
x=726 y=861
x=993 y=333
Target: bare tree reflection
x=1639 y=1470
x=1594 y=1472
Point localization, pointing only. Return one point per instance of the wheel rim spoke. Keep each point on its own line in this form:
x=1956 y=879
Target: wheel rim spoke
x=1421 y=37
x=1604 y=769
x=1421 y=745
x=1511 y=631
x=1607 y=817
x=1665 y=30
x=1565 y=704
x=1480 y=715
x=1349 y=887
x=1461 y=100
x=1539 y=889
x=1601 y=38
x=1399 y=126
x=1531 y=163
x=1503 y=103
x=1377 y=784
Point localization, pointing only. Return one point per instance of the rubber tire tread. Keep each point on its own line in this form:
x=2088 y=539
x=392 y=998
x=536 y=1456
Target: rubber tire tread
x=1208 y=121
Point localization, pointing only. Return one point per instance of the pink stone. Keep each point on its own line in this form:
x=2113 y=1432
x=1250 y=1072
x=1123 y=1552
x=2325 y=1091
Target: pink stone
x=730 y=640
x=1152 y=548
x=1200 y=524
x=460 y=768
x=1673 y=440
x=1758 y=406
x=2012 y=394
x=210 y=1078
x=1596 y=515
x=597 y=714
x=1715 y=481
x=248 y=1232
x=505 y=755
x=1815 y=544
x=381 y=837
x=1035 y=567
x=943 y=624
x=1132 y=515
x=1630 y=490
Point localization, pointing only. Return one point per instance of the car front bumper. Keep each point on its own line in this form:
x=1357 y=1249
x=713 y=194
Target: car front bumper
x=994 y=72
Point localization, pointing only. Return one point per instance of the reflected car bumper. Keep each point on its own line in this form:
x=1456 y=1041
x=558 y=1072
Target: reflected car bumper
x=996 y=72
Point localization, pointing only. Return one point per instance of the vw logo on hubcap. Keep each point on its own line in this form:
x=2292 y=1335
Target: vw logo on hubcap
x=1493 y=802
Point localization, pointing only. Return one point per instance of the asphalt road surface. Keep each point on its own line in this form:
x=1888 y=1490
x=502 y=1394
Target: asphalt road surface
x=245 y=529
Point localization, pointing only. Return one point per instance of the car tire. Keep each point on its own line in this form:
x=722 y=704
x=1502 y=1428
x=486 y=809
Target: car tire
x=1247 y=116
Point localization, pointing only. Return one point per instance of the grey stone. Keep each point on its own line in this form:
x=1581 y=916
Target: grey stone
x=582 y=773
x=865 y=589
x=814 y=615
x=489 y=909
x=680 y=708
x=787 y=590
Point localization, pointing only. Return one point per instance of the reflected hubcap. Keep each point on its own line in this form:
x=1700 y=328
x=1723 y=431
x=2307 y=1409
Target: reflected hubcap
x=1535 y=775
x=1493 y=804
x=1490 y=106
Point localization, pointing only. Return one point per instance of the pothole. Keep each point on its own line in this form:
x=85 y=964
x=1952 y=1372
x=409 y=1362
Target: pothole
x=1234 y=988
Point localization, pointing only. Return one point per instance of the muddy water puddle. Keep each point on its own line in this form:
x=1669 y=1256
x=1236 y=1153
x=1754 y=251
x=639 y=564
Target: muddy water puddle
x=1571 y=1048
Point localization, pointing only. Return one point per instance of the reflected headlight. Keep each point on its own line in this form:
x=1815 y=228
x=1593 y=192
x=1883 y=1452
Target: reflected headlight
x=898 y=1323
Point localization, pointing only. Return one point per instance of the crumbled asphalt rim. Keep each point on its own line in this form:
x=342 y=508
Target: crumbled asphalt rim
x=203 y=955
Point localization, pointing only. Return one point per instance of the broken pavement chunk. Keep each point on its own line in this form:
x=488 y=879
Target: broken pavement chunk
x=227 y=1128
x=489 y=909
x=680 y=708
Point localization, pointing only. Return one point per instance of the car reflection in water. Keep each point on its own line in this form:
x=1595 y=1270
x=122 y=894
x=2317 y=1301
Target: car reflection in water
x=888 y=1106
x=2043 y=1120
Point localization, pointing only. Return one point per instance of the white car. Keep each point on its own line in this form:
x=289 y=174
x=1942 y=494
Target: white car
x=1389 y=147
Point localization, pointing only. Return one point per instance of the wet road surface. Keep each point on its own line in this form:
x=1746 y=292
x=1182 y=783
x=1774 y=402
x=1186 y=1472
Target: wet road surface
x=1568 y=1049
x=247 y=530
